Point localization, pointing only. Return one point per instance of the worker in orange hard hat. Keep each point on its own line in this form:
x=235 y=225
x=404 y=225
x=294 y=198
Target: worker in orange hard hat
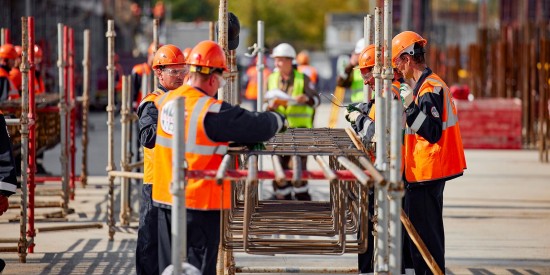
x=433 y=147
x=362 y=119
x=7 y=62
x=304 y=67
x=210 y=125
x=15 y=73
x=39 y=87
x=169 y=66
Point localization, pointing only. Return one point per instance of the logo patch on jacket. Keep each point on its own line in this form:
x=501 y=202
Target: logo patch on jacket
x=434 y=111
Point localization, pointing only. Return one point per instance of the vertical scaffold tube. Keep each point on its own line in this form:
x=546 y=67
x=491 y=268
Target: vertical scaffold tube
x=381 y=191
x=179 y=220
x=124 y=221
x=65 y=119
x=72 y=114
x=62 y=110
x=396 y=187
x=367 y=34
x=155 y=48
x=32 y=132
x=22 y=245
x=224 y=93
x=85 y=106
x=111 y=122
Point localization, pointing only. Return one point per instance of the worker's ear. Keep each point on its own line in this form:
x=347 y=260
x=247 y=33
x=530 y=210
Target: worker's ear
x=158 y=73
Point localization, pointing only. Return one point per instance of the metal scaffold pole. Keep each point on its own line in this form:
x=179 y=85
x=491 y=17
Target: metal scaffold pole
x=111 y=123
x=22 y=244
x=367 y=34
x=224 y=93
x=179 y=224
x=61 y=39
x=155 y=48
x=124 y=160
x=85 y=106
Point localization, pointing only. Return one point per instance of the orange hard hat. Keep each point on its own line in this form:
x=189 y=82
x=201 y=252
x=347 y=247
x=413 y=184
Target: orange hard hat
x=151 y=49
x=205 y=56
x=186 y=53
x=37 y=51
x=303 y=58
x=7 y=51
x=168 y=55
x=18 y=50
x=405 y=41
x=366 y=57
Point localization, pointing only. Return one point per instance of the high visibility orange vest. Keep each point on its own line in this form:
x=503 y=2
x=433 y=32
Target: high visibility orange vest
x=201 y=153
x=39 y=86
x=16 y=78
x=251 y=91
x=310 y=71
x=444 y=159
x=148 y=160
x=13 y=93
x=141 y=70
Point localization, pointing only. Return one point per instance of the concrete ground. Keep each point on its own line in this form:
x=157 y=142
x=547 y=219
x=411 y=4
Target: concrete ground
x=496 y=219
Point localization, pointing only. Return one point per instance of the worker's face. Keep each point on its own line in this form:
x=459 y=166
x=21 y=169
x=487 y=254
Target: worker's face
x=284 y=64
x=368 y=78
x=403 y=64
x=171 y=76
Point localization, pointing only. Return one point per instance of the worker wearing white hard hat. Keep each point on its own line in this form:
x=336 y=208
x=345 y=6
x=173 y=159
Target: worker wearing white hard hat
x=291 y=94
x=350 y=78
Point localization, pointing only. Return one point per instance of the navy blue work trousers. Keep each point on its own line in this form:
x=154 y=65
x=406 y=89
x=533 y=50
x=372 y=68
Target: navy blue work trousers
x=203 y=239
x=423 y=204
x=147 y=248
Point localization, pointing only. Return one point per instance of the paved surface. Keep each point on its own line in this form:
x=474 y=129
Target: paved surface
x=496 y=218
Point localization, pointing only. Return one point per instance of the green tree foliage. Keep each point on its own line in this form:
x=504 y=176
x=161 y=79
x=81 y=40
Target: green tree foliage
x=299 y=22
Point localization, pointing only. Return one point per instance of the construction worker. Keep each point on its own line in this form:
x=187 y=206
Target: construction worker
x=251 y=83
x=210 y=125
x=15 y=74
x=169 y=67
x=8 y=179
x=139 y=71
x=433 y=148
x=350 y=78
x=7 y=61
x=303 y=66
x=39 y=87
x=299 y=114
x=361 y=117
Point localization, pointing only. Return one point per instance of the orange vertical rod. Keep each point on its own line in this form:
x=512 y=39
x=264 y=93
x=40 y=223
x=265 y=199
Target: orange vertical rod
x=72 y=114
x=32 y=133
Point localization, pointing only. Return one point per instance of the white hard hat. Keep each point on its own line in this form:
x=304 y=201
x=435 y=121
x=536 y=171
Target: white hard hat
x=359 y=46
x=284 y=50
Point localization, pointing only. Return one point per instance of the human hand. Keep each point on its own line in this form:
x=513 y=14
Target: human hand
x=406 y=93
x=301 y=99
x=4 y=204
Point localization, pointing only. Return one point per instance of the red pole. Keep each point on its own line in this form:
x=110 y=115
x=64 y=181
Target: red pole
x=73 y=110
x=32 y=133
x=7 y=36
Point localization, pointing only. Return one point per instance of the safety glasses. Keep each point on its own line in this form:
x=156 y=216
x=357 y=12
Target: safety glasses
x=174 y=72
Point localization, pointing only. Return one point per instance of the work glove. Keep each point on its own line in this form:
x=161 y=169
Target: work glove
x=406 y=93
x=353 y=111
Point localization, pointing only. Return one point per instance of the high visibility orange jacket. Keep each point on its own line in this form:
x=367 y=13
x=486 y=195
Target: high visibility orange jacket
x=201 y=153
x=16 y=77
x=251 y=92
x=148 y=160
x=138 y=72
x=309 y=71
x=13 y=93
x=443 y=159
x=39 y=87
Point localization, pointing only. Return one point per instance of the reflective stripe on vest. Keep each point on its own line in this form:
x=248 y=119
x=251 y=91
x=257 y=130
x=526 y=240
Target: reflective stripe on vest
x=297 y=115
x=443 y=159
x=201 y=153
x=148 y=154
